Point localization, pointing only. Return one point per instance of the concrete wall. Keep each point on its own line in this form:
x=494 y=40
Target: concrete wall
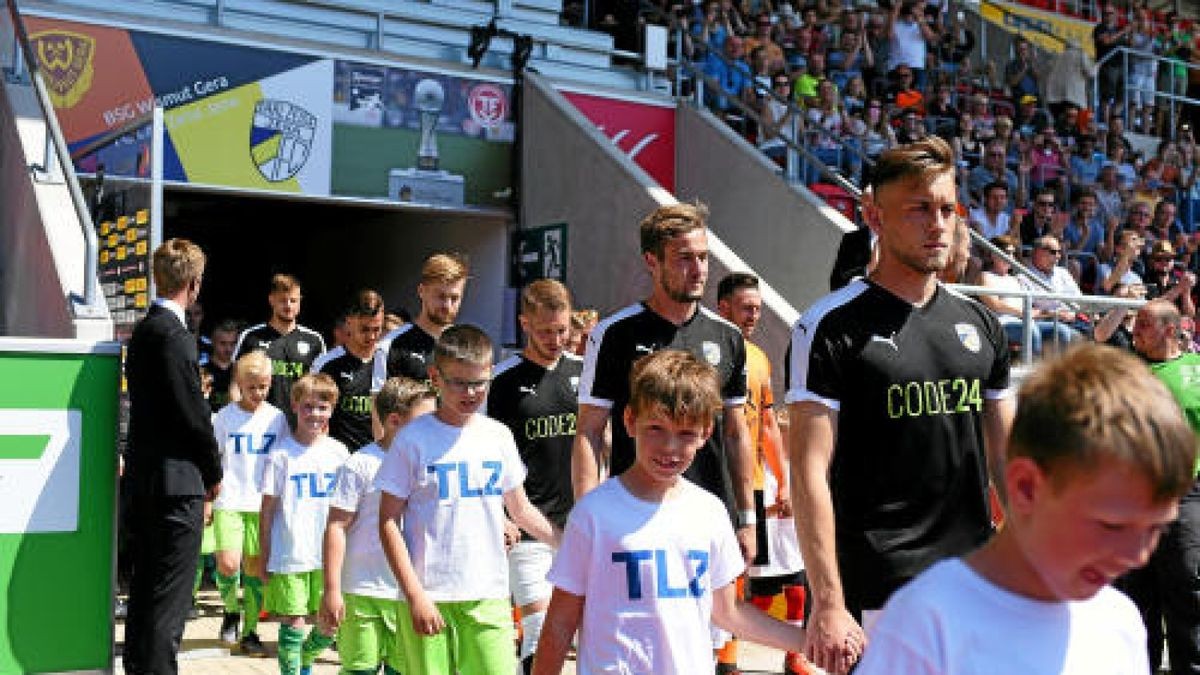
x=572 y=173
x=785 y=234
x=41 y=245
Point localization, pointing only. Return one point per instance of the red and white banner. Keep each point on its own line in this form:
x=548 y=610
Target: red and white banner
x=644 y=131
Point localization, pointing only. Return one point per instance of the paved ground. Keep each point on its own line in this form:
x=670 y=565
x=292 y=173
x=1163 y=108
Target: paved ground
x=201 y=653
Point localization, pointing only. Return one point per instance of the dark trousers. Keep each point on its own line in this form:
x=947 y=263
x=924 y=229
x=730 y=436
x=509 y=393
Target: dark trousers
x=166 y=534
x=1167 y=590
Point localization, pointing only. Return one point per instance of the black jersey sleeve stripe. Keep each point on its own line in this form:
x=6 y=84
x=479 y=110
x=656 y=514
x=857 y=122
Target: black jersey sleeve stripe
x=587 y=380
x=237 y=349
x=803 y=334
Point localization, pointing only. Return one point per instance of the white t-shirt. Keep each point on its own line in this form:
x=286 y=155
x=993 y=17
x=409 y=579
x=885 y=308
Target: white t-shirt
x=951 y=620
x=647 y=571
x=365 y=570
x=989 y=228
x=454 y=480
x=301 y=477
x=908 y=45
x=245 y=439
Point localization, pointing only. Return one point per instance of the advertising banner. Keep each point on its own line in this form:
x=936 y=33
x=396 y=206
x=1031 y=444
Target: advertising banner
x=421 y=136
x=1035 y=23
x=644 y=131
x=246 y=117
x=58 y=475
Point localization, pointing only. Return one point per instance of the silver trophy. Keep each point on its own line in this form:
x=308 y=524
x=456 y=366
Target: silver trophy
x=430 y=97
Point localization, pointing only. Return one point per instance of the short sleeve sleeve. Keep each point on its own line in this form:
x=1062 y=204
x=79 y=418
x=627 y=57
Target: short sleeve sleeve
x=514 y=469
x=599 y=386
x=395 y=474
x=274 y=474
x=573 y=558
x=733 y=391
x=815 y=367
x=727 y=561
x=349 y=487
x=997 y=385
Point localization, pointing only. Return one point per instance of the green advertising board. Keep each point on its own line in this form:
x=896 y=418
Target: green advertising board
x=58 y=421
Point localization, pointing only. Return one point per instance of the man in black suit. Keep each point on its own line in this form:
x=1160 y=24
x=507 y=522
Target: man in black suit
x=172 y=466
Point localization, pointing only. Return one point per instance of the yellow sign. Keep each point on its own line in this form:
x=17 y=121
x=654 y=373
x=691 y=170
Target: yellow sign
x=142 y=216
x=1034 y=24
x=141 y=247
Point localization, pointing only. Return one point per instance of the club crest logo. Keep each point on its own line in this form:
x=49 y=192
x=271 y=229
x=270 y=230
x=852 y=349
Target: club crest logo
x=281 y=138
x=302 y=347
x=712 y=352
x=968 y=335
x=65 y=59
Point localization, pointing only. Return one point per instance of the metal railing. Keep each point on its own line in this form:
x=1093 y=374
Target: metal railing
x=1027 y=299
x=1125 y=55
x=58 y=150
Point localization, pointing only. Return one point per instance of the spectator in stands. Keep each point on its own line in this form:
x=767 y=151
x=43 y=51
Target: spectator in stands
x=992 y=219
x=777 y=120
x=1167 y=280
x=1085 y=163
x=1190 y=195
x=954 y=47
x=1108 y=193
x=761 y=72
x=713 y=27
x=967 y=148
x=1126 y=173
x=942 y=114
x=1085 y=232
x=910 y=34
x=1142 y=72
x=851 y=59
x=1043 y=219
x=826 y=124
x=804 y=87
x=762 y=39
x=1138 y=221
x=1046 y=162
x=1029 y=117
x=985 y=122
x=912 y=128
x=1047 y=252
x=1107 y=36
x=877 y=135
x=993 y=170
x=1023 y=75
x=1006 y=135
x=1165 y=226
x=904 y=93
x=1115 y=328
x=1123 y=269
x=732 y=76
x=1067 y=80
x=1066 y=123
x=1010 y=310
x=809 y=39
x=854 y=96
x=1116 y=134
x=880 y=43
x=1177 y=45
x=1164 y=171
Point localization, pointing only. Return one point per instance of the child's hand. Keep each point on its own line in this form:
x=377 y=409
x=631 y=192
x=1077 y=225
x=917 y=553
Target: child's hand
x=333 y=610
x=426 y=618
x=512 y=534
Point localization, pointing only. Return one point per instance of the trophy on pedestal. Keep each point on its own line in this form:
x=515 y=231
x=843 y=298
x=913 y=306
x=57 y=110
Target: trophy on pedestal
x=426 y=183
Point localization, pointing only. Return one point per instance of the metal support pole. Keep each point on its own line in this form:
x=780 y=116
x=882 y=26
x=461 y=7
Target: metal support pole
x=157 y=131
x=1027 y=330
x=793 y=155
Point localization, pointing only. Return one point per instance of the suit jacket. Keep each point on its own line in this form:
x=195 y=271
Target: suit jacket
x=172 y=451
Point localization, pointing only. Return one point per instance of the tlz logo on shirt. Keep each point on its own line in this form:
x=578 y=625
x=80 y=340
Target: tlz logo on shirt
x=662 y=587
x=318 y=485
x=443 y=470
x=244 y=443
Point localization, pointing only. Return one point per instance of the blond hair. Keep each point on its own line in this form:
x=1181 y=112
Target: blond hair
x=400 y=395
x=926 y=160
x=284 y=283
x=546 y=294
x=318 y=385
x=676 y=384
x=668 y=222
x=175 y=264
x=463 y=343
x=444 y=268
x=1095 y=402
x=252 y=364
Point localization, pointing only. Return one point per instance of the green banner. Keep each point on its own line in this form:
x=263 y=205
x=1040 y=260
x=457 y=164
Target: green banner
x=58 y=421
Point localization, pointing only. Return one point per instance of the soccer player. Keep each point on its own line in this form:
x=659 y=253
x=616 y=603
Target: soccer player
x=409 y=348
x=247 y=432
x=674 y=243
x=295 y=486
x=535 y=394
x=777 y=569
x=449 y=477
x=220 y=364
x=352 y=367
x=360 y=589
x=292 y=347
x=898 y=405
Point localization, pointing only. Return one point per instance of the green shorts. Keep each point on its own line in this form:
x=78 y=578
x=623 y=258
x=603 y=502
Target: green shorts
x=237 y=531
x=478 y=638
x=296 y=594
x=367 y=635
x=208 y=540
